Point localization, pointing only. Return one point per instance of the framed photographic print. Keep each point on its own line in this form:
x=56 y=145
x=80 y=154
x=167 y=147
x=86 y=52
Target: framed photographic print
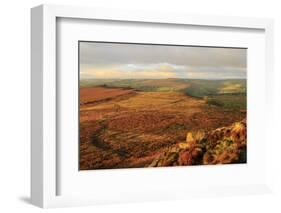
x=148 y=105
x=129 y=106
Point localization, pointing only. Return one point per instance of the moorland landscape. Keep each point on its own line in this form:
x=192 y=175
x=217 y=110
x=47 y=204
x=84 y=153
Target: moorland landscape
x=134 y=123
x=159 y=105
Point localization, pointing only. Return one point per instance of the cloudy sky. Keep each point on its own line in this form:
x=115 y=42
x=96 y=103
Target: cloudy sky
x=135 y=61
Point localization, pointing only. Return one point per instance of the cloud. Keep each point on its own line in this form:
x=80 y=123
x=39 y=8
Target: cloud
x=129 y=71
x=115 y=60
x=160 y=70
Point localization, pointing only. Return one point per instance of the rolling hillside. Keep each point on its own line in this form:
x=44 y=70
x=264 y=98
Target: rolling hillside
x=128 y=128
x=230 y=93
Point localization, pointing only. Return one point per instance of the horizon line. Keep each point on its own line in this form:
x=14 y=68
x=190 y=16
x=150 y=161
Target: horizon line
x=162 y=78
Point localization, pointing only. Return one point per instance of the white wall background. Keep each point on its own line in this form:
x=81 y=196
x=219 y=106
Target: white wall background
x=15 y=99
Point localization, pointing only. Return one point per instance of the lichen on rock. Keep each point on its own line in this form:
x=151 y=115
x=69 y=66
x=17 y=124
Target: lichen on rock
x=224 y=145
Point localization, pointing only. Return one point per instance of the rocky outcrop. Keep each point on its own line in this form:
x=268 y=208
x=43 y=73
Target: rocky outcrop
x=224 y=145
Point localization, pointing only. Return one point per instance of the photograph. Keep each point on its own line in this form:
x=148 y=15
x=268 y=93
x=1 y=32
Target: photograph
x=161 y=105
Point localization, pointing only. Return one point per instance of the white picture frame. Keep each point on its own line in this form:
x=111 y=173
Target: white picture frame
x=44 y=83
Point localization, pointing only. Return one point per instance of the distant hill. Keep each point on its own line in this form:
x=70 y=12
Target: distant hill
x=229 y=93
x=147 y=85
x=194 y=87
